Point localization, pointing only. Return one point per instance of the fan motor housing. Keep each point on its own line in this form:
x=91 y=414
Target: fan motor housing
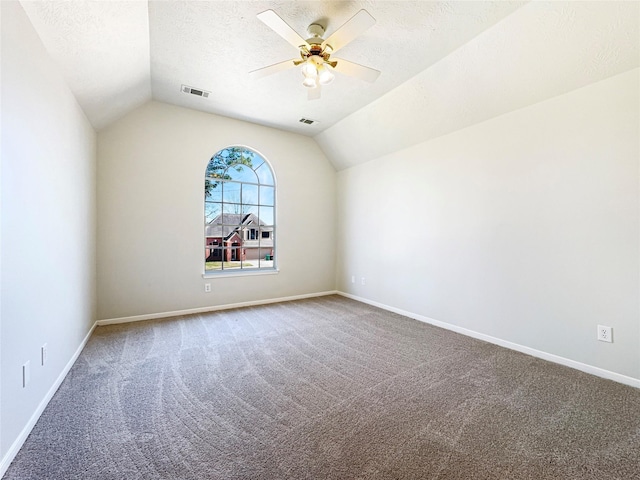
x=315 y=30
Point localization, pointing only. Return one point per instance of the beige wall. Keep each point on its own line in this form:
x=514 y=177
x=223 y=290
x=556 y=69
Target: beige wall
x=150 y=207
x=524 y=227
x=48 y=226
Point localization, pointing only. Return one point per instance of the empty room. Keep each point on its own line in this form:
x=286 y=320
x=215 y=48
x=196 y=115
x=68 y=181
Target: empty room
x=320 y=240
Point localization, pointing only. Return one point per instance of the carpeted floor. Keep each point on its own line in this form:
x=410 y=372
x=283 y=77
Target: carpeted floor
x=325 y=388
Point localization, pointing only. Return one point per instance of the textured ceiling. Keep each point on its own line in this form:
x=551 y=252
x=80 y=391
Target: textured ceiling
x=115 y=55
x=445 y=64
x=213 y=45
x=102 y=49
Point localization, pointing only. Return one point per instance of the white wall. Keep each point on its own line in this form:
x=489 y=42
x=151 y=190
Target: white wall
x=150 y=207
x=48 y=224
x=524 y=227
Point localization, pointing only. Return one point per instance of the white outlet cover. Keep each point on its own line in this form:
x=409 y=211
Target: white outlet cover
x=605 y=334
x=207 y=287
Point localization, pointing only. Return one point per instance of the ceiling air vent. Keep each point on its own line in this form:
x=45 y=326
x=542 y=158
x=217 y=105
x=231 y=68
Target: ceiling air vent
x=307 y=121
x=195 y=91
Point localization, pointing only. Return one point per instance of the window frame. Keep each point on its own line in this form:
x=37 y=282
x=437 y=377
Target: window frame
x=242 y=229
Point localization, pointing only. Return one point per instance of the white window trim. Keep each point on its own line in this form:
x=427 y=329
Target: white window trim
x=241 y=273
x=257 y=271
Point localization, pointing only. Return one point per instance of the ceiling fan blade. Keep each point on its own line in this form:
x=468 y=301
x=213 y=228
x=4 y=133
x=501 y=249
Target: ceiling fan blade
x=313 y=93
x=356 y=70
x=272 y=19
x=271 y=69
x=355 y=26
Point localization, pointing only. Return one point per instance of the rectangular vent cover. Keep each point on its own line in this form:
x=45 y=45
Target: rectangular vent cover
x=195 y=91
x=307 y=121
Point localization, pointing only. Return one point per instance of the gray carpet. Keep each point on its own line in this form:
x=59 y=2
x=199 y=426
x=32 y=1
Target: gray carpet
x=325 y=388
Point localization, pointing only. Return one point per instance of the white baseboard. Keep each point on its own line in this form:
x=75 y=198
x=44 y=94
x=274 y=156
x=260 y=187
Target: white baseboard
x=583 y=367
x=17 y=444
x=212 y=308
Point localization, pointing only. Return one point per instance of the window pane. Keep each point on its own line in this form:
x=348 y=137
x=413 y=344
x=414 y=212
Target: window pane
x=250 y=209
x=257 y=161
x=212 y=256
x=231 y=192
x=235 y=242
x=215 y=175
x=213 y=230
x=249 y=194
x=266 y=258
x=235 y=213
x=267 y=195
x=266 y=232
x=252 y=257
x=214 y=193
x=241 y=173
x=231 y=219
x=211 y=211
x=264 y=174
x=212 y=190
x=256 y=158
x=213 y=266
x=250 y=235
x=233 y=258
x=266 y=238
x=232 y=213
x=266 y=215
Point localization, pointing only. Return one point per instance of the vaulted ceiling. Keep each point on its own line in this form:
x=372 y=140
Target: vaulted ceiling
x=444 y=64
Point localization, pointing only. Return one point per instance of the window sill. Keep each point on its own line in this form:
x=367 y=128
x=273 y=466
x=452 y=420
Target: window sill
x=241 y=273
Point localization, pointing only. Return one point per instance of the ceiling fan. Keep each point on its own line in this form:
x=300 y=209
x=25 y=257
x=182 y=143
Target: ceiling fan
x=315 y=52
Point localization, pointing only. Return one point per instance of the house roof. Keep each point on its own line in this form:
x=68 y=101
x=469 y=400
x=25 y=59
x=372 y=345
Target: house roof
x=226 y=224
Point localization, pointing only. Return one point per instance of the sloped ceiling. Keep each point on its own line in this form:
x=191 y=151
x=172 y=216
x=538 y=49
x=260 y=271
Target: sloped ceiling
x=118 y=54
x=445 y=64
x=540 y=51
x=213 y=45
x=102 y=49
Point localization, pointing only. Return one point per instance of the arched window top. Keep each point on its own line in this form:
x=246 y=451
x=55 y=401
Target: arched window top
x=239 y=211
x=240 y=164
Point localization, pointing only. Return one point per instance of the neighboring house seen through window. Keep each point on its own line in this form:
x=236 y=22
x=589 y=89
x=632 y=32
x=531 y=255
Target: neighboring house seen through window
x=239 y=192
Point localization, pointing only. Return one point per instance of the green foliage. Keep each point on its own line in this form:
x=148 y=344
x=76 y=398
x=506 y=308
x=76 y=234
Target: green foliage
x=221 y=162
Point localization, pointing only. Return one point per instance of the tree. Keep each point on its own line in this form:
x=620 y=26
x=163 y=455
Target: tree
x=221 y=162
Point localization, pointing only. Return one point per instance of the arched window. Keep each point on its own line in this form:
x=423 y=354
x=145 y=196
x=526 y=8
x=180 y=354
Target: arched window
x=239 y=207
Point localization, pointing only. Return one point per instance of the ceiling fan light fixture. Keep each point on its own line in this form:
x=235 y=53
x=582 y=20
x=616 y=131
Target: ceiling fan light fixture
x=310 y=82
x=315 y=52
x=309 y=70
x=325 y=75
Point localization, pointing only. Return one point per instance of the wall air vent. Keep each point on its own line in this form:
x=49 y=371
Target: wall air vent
x=195 y=91
x=307 y=121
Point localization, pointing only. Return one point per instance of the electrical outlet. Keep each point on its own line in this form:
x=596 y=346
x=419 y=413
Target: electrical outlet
x=43 y=354
x=363 y=281
x=26 y=374
x=207 y=288
x=353 y=279
x=605 y=334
